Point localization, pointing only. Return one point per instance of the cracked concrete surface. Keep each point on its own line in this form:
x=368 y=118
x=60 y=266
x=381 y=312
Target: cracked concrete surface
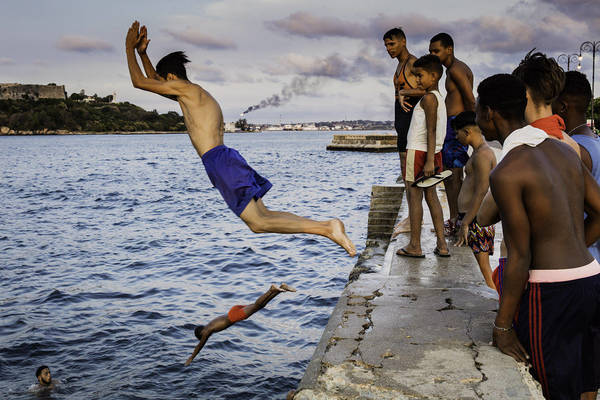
x=414 y=329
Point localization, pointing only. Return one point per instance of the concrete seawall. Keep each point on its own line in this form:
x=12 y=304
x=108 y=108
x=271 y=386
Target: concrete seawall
x=377 y=143
x=412 y=328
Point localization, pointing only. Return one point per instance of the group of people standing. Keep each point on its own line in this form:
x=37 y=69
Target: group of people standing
x=543 y=188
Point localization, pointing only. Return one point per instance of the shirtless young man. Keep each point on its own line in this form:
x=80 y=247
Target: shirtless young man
x=550 y=278
x=405 y=83
x=235 y=314
x=474 y=187
x=241 y=187
x=571 y=105
x=459 y=98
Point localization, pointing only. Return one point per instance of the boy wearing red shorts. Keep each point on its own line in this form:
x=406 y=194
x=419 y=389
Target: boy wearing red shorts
x=423 y=156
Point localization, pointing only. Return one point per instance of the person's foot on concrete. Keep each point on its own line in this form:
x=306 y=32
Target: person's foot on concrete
x=401 y=227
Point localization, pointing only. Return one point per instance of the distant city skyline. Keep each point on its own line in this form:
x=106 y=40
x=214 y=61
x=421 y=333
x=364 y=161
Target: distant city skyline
x=327 y=57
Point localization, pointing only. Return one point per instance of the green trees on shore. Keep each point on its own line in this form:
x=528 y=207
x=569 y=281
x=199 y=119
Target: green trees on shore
x=96 y=116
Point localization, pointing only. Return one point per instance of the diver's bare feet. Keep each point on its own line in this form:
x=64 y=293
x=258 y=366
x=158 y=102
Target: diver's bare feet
x=285 y=288
x=338 y=235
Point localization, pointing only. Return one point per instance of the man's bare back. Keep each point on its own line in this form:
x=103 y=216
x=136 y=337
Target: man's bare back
x=548 y=201
x=456 y=74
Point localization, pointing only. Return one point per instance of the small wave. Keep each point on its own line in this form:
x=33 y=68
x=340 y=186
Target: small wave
x=147 y=314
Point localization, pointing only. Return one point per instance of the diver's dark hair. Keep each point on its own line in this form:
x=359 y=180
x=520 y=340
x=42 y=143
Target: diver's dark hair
x=543 y=77
x=465 y=118
x=430 y=63
x=38 y=372
x=173 y=63
x=578 y=87
x=198 y=331
x=444 y=39
x=394 y=33
x=505 y=94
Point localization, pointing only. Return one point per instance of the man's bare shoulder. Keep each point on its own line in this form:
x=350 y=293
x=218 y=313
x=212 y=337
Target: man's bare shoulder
x=459 y=68
x=483 y=156
x=517 y=163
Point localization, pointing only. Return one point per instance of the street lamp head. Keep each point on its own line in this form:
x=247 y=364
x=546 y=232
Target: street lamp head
x=580 y=57
x=579 y=66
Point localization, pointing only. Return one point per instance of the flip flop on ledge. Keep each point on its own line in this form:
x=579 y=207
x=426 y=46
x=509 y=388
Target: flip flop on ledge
x=438 y=253
x=403 y=253
x=429 y=181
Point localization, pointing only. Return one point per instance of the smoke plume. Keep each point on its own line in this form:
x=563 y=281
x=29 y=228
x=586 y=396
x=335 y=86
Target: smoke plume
x=300 y=85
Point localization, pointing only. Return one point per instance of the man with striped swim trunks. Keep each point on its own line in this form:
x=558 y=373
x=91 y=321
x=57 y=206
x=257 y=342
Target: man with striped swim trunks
x=549 y=310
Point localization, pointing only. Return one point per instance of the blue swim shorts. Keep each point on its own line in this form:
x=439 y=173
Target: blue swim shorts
x=454 y=154
x=237 y=182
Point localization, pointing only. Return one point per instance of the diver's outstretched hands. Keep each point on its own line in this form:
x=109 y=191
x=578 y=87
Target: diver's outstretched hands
x=142 y=40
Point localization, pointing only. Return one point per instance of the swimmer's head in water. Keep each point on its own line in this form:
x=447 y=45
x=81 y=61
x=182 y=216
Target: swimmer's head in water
x=43 y=375
x=198 y=331
x=173 y=63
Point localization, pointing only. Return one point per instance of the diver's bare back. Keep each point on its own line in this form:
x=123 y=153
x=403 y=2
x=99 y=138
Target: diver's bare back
x=203 y=118
x=552 y=180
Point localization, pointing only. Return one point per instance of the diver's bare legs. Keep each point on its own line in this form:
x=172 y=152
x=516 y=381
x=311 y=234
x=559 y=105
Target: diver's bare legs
x=262 y=220
x=222 y=322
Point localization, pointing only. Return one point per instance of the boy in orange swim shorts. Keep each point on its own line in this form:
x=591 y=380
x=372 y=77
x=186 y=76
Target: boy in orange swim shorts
x=236 y=313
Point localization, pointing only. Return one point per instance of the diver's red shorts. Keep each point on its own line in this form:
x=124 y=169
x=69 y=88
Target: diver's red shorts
x=236 y=313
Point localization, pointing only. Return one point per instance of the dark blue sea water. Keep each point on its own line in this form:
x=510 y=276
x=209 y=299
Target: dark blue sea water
x=112 y=249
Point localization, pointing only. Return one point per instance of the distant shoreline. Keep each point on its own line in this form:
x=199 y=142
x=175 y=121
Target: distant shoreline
x=62 y=133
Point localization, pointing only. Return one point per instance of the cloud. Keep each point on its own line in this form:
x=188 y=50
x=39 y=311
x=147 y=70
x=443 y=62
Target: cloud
x=508 y=34
x=82 y=44
x=6 y=61
x=583 y=11
x=201 y=40
x=332 y=66
x=315 y=27
x=208 y=74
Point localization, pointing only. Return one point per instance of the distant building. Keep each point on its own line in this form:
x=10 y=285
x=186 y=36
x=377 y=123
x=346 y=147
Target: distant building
x=17 y=91
x=230 y=127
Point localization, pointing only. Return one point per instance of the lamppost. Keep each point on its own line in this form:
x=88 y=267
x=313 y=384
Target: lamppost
x=590 y=47
x=568 y=59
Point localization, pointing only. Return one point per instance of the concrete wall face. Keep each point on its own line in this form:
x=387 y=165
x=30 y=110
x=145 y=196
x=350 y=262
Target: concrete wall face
x=12 y=91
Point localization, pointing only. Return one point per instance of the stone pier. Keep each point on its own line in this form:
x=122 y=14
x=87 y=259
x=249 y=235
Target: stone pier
x=412 y=328
x=378 y=143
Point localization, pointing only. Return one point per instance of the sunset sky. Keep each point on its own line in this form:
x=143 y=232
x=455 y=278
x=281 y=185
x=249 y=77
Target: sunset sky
x=244 y=51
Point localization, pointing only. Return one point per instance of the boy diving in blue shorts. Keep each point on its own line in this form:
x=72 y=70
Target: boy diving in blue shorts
x=242 y=188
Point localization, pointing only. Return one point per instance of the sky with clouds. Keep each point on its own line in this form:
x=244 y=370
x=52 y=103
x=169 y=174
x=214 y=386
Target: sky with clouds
x=309 y=60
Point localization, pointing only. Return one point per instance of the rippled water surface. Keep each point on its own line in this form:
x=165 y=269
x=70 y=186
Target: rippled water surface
x=112 y=249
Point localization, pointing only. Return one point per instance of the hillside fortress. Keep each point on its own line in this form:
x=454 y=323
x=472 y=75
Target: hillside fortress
x=17 y=91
